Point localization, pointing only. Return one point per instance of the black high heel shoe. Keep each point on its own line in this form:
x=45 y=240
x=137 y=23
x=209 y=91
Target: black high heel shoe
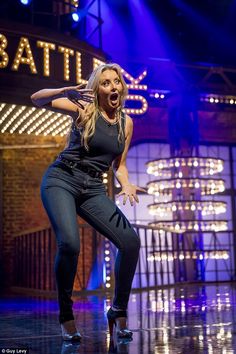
x=112 y=316
x=69 y=332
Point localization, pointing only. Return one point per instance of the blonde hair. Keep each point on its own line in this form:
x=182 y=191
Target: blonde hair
x=91 y=111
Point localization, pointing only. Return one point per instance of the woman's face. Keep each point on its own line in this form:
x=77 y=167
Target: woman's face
x=110 y=90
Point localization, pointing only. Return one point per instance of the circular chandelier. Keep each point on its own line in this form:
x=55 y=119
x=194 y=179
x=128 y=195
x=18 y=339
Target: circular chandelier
x=204 y=165
x=181 y=226
x=206 y=207
x=182 y=181
x=166 y=186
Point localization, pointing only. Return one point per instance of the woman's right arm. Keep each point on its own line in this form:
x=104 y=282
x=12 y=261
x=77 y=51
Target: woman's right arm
x=65 y=98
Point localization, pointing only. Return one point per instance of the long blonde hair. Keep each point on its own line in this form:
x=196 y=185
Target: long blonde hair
x=91 y=111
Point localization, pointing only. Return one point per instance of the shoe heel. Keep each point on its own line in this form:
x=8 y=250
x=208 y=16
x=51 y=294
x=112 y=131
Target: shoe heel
x=111 y=324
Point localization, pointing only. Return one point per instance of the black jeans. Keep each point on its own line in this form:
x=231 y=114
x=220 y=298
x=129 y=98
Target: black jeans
x=67 y=192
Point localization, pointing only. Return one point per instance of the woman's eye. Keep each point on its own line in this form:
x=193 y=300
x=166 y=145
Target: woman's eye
x=105 y=83
x=117 y=81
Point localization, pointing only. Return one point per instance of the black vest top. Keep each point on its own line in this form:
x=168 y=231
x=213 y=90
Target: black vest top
x=104 y=146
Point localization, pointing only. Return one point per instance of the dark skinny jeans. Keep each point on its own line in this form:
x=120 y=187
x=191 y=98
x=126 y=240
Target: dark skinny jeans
x=67 y=193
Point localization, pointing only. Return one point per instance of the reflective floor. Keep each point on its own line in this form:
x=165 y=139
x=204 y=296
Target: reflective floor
x=192 y=319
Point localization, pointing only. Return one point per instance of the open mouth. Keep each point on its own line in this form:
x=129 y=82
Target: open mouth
x=114 y=97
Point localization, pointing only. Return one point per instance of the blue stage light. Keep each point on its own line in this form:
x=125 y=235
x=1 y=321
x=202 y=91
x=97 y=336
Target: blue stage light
x=25 y=2
x=75 y=17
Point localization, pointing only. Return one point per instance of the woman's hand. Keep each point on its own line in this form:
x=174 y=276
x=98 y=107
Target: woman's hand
x=130 y=191
x=77 y=93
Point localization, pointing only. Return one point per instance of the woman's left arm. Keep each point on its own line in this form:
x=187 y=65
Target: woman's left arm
x=128 y=190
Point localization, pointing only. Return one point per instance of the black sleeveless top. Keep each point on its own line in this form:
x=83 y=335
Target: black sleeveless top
x=104 y=146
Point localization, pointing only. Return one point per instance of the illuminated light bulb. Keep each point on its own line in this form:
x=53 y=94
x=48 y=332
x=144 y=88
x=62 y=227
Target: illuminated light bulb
x=193 y=207
x=177 y=164
x=150 y=190
x=174 y=208
x=195 y=163
x=19 y=59
x=156 y=95
x=180 y=174
x=3 y=53
x=211 y=100
x=67 y=53
x=177 y=227
x=221 y=188
x=178 y=185
x=197 y=185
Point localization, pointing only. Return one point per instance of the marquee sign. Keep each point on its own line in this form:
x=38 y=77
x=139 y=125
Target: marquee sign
x=48 y=59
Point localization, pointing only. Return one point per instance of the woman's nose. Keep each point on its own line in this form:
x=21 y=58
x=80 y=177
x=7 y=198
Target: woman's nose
x=113 y=86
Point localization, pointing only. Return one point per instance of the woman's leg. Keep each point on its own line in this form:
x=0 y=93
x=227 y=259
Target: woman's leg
x=61 y=209
x=103 y=214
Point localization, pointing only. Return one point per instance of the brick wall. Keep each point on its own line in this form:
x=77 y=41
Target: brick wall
x=24 y=160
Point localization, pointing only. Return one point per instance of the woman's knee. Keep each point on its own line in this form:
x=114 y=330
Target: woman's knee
x=69 y=247
x=132 y=242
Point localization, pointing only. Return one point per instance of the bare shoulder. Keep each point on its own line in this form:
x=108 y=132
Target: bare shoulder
x=129 y=124
x=129 y=120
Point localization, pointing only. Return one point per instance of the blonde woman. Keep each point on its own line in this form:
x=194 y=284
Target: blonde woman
x=100 y=136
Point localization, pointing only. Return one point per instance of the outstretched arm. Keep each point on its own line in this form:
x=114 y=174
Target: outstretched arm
x=128 y=190
x=65 y=98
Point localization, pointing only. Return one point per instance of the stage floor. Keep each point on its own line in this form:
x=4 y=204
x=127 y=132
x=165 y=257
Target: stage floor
x=190 y=319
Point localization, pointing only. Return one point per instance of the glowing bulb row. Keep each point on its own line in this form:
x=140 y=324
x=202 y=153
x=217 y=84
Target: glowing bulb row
x=157 y=95
x=19 y=59
x=13 y=118
x=58 y=123
x=8 y=112
x=171 y=256
x=190 y=225
x=40 y=121
x=206 y=186
x=136 y=110
x=207 y=165
x=204 y=206
x=219 y=99
x=20 y=121
x=61 y=122
x=31 y=120
x=63 y=129
x=5 y=59
x=46 y=50
x=107 y=259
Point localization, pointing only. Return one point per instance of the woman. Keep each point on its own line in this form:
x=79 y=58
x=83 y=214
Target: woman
x=72 y=185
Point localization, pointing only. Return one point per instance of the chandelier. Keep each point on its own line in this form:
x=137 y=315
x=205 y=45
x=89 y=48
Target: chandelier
x=179 y=185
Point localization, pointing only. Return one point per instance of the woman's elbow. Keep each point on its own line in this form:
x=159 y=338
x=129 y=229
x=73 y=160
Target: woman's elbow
x=34 y=99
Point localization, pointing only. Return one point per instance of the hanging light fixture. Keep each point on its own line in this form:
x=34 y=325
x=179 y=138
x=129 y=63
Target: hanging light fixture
x=181 y=182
